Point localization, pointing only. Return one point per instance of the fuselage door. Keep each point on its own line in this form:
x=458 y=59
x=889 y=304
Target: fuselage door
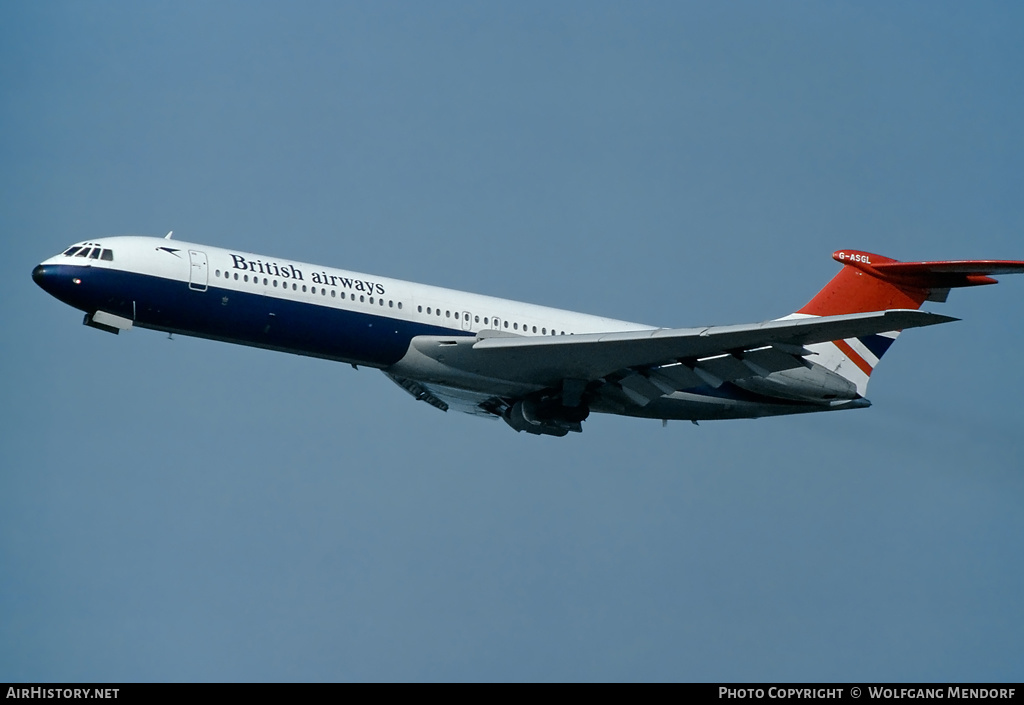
x=198 y=270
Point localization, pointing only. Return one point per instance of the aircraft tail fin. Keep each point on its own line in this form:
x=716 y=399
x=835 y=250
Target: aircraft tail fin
x=869 y=282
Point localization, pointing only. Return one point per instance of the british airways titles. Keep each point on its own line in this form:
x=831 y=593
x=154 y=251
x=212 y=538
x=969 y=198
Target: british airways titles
x=290 y=271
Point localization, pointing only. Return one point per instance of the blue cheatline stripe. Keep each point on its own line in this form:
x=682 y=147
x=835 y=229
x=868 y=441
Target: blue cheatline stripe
x=320 y=330
x=877 y=344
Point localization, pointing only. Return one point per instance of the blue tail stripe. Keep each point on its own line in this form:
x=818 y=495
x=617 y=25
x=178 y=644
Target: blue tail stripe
x=877 y=344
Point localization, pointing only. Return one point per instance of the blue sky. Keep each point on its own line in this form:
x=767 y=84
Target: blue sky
x=187 y=510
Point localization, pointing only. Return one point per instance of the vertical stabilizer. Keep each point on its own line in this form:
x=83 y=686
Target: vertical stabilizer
x=869 y=282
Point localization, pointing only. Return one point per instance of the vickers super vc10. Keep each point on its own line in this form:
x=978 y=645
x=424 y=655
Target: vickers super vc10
x=541 y=370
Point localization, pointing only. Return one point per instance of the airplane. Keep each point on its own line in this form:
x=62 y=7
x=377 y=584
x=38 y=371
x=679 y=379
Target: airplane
x=541 y=370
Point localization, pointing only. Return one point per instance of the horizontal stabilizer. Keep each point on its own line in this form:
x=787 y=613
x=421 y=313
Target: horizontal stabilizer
x=931 y=275
x=870 y=282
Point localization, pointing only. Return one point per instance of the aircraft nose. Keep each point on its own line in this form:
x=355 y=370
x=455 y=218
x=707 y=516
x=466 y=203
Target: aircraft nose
x=46 y=277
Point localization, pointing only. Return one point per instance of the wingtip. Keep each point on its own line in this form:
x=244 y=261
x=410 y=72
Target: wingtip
x=918 y=313
x=937 y=318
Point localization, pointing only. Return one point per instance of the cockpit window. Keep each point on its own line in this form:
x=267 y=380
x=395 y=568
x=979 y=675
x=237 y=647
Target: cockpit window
x=71 y=250
x=95 y=254
x=108 y=255
x=82 y=252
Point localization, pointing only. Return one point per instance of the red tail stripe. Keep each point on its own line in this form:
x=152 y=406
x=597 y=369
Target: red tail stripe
x=859 y=361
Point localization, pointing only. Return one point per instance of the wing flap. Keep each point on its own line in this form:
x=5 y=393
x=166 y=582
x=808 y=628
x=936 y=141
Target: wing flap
x=724 y=367
x=646 y=386
x=675 y=377
x=764 y=361
x=640 y=389
x=447 y=398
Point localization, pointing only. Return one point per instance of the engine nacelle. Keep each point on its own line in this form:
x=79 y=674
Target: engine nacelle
x=545 y=418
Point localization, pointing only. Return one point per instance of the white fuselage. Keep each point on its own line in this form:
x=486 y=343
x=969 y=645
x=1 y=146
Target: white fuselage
x=336 y=314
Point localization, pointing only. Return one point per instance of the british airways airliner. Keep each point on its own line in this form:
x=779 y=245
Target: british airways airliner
x=541 y=370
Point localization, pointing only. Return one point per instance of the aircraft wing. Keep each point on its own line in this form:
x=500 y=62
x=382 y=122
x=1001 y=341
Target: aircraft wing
x=551 y=359
x=719 y=350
